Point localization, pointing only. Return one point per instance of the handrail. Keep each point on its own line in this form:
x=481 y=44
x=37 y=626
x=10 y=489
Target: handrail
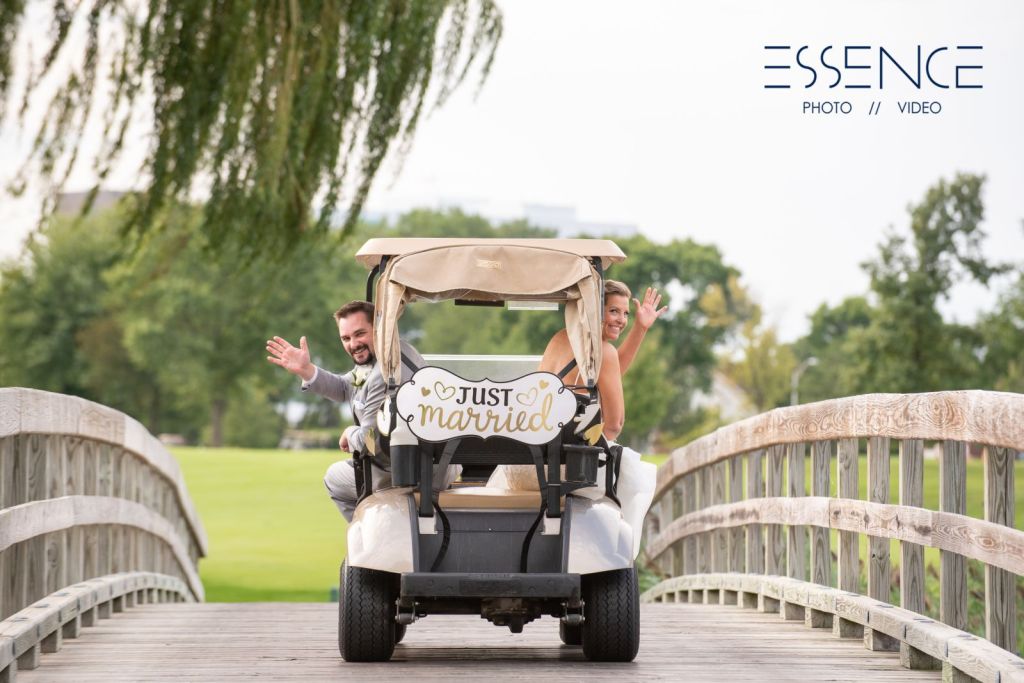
x=32 y=411
x=984 y=417
x=42 y=626
x=736 y=501
x=85 y=492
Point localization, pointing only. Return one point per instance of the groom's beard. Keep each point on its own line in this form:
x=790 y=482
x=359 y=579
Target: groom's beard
x=366 y=352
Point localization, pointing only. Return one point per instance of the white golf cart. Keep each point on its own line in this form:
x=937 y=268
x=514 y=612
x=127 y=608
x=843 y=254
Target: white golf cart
x=557 y=545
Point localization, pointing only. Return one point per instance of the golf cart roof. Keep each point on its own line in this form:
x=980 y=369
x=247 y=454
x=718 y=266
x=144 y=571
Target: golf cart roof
x=480 y=270
x=370 y=254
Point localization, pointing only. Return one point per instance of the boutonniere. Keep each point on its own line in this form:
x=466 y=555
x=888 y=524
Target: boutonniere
x=359 y=376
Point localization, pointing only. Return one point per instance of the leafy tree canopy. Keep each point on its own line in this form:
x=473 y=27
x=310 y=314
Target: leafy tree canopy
x=282 y=110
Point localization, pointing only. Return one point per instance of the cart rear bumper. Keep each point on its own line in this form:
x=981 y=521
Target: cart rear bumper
x=476 y=585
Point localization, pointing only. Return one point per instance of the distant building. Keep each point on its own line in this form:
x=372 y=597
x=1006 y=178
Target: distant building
x=72 y=202
x=564 y=220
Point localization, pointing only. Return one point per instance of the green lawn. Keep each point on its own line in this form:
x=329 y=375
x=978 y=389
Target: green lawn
x=273 y=532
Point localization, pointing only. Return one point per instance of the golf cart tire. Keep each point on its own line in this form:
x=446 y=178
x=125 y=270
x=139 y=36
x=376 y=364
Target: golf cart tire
x=570 y=635
x=611 y=610
x=366 y=614
x=399 y=633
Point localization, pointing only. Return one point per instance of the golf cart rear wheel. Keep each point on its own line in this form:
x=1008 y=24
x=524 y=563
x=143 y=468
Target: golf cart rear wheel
x=366 y=614
x=570 y=635
x=611 y=610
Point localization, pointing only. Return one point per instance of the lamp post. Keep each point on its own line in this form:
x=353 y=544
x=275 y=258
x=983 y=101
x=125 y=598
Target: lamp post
x=794 y=379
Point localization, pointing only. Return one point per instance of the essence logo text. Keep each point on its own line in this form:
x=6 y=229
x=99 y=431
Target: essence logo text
x=863 y=67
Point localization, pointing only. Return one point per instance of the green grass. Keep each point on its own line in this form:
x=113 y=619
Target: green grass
x=274 y=534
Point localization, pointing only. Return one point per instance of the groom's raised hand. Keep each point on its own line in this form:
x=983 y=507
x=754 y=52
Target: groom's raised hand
x=294 y=360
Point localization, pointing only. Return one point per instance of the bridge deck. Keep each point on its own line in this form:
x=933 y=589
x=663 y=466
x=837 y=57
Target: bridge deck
x=220 y=642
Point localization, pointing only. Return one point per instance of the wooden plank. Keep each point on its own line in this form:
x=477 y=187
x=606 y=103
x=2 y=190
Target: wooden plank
x=879 y=581
x=994 y=544
x=704 y=539
x=299 y=641
x=821 y=541
x=719 y=537
x=737 y=535
x=1000 y=599
x=38 y=485
x=952 y=566
x=690 y=565
x=74 y=564
x=755 y=537
x=796 y=545
x=912 y=554
x=774 y=546
x=56 y=486
x=849 y=487
x=8 y=456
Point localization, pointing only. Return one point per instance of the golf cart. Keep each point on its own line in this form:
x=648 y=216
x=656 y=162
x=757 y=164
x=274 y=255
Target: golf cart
x=555 y=545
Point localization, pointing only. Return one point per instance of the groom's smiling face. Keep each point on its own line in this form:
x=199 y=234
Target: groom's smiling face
x=356 y=333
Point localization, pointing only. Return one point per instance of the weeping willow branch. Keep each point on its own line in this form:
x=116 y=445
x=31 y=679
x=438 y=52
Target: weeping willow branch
x=281 y=111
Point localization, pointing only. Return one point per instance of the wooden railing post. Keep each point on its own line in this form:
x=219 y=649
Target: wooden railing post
x=774 y=549
x=821 y=541
x=755 y=539
x=690 y=543
x=849 y=541
x=704 y=539
x=953 y=498
x=796 y=548
x=737 y=540
x=879 y=580
x=755 y=533
x=1000 y=601
x=912 y=554
x=719 y=537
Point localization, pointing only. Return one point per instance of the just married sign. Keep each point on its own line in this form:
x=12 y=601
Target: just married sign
x=439 y=405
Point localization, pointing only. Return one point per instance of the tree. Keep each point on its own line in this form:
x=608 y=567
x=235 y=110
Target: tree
x=201 y=324
x=764 y=367
x=908 y=347
x=1003 y=332
x=833 y=339
x=283 y=110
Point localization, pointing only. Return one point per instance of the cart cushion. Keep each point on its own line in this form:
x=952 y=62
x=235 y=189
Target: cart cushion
x=485 y=497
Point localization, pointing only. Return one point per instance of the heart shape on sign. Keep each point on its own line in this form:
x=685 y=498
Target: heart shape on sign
x=444 y=392
x=528 y=398
x=543 y=384
x=425 y=391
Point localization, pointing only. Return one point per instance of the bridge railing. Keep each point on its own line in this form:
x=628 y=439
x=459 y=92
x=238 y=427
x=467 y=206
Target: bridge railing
x=94 y=515
x=735 y=521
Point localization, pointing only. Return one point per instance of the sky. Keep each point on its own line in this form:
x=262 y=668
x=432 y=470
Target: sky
x=655 y=114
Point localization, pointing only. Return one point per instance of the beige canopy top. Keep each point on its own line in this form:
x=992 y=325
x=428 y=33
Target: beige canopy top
x=491 y=270
x=371 y=253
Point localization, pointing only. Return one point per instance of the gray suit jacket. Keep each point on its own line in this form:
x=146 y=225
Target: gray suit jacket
x=366 y=398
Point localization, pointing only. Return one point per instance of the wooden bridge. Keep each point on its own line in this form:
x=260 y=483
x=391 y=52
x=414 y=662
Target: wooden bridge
x=99 y=544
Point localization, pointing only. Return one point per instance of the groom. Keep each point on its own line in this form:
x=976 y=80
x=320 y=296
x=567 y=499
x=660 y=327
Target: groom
x=363 y=387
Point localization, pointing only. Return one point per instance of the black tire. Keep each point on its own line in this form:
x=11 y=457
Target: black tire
x=366 y=614
x=611 y=611
x=570 y=635
x=399 y=633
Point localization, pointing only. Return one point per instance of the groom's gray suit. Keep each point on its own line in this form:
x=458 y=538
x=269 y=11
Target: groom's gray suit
x=365 y=388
